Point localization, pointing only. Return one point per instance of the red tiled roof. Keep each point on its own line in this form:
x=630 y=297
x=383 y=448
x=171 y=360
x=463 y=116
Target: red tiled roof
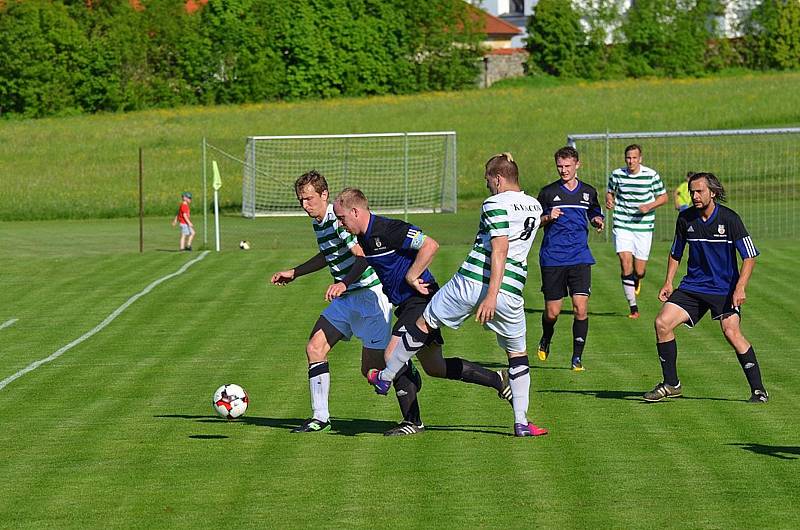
x=491 y=24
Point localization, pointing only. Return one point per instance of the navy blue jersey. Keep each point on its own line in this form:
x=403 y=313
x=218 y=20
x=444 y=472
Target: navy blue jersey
x=566 y=240
x=712 y=267
x=390 y=246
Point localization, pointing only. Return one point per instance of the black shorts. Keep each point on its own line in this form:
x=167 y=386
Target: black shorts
x=697 y=304
x=409 y=311
x=558 y=282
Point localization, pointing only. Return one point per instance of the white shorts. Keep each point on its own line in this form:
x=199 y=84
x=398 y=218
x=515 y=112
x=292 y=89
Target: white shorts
x=637 y=243
x=460 y=297
x=365 y=313
x=186 y=230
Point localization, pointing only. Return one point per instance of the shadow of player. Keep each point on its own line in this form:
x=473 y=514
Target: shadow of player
x=777 y=451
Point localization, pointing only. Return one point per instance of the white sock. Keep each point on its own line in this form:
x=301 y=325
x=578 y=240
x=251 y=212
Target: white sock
x=405 y=348
x=520 y=380
x=319 y=384
x=629 y=288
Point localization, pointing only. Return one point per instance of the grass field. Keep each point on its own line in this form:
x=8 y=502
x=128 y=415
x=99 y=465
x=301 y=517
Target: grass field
x=87 y=166
x=117 y=432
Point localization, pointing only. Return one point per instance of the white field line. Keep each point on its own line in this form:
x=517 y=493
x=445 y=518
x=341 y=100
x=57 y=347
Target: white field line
x=8 y=323
x=55 y=355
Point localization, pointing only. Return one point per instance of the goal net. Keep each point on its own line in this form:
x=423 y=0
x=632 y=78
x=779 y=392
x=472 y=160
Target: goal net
x=759 y=168
x=398 y=172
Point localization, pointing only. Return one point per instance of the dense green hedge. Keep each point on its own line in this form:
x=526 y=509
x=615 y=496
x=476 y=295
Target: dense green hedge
x=659 y=38
x=58 y=56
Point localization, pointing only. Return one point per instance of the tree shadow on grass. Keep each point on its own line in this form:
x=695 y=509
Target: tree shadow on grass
x=777 y=451
x=627 y=395
x=208 y=437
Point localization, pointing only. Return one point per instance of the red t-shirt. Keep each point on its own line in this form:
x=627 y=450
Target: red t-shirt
x=183 y=214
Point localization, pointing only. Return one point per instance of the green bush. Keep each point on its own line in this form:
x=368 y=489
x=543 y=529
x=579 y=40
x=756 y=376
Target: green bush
x=772 y=35
x=554 y=39
x=70 y=55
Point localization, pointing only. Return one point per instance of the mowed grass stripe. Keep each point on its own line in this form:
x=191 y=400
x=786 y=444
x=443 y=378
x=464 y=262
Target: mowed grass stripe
x=109 y=438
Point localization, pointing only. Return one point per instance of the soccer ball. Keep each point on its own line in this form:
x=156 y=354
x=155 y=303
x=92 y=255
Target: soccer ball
x=230 y=401
x=244 y=244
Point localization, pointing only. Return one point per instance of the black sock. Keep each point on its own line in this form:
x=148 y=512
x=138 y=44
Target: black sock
x=636 y=279
x=751 y=370
x=406 y=391
x=548 y=328
x=471 y=372
x=668 y=355
x=580 y=328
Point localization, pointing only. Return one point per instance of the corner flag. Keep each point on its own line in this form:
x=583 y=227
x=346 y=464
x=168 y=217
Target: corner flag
x=217 y=179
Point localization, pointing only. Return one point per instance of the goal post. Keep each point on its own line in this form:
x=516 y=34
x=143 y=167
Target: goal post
x=759 y=168
x=411 y=172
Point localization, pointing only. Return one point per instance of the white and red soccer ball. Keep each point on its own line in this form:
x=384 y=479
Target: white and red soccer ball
x=230 y=401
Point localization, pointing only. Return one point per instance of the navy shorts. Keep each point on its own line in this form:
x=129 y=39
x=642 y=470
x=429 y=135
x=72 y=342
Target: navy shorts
x=558 y=282
x=698 y=304
x=409 y=311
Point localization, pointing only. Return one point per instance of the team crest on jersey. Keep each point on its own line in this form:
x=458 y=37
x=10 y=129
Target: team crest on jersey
x=378 y=242
x=721 y=230
x=585 y=196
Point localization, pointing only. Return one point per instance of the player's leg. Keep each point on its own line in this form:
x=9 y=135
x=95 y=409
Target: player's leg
x=579 y=284
x=554 y=289
x=407 y=384
x=731 y=328
x=641 y=253
x=679 y=309
x=323 y=337
x=624 y=245
x=519 y=374
x=190 y=238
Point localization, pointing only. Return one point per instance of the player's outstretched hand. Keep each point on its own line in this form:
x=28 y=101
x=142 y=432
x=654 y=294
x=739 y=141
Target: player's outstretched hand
x=665 y=292
x=486 y=310
x=420 y=286
x=282 y=277
x=335 y=290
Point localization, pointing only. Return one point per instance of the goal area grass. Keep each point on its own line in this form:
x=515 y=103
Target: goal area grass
x=118 y=431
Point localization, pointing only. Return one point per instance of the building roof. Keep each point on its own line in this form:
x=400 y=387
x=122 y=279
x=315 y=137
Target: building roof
x=492 y=25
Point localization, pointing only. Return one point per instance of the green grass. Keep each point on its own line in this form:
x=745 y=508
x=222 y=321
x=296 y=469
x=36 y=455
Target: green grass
x=87 y=166
x=118 y=432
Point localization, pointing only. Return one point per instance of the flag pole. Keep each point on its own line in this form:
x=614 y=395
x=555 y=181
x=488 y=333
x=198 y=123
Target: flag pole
x=217 y=185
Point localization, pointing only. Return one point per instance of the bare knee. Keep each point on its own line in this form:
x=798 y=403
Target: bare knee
x=316 y=353
x=663 y=327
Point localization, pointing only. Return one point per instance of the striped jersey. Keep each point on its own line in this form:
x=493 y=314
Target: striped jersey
x=515 y=215
x=712 y=266
x=335 y=243
x=631 y=191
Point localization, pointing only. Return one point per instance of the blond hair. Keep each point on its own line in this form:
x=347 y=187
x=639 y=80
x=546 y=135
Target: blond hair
x=352 y=198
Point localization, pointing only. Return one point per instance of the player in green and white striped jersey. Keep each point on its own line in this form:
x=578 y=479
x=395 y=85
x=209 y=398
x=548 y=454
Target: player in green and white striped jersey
x=358 y=306
x=634 y=192
x=490 y=283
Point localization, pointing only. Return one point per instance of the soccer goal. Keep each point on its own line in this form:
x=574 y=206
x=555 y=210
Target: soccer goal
x=398 y=172
x=759 y=168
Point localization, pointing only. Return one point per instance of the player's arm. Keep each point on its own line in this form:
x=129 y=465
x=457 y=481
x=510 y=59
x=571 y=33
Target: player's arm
x=677 y=199
x=596 y=217
x=421 y=262
x=674 y=259
x=660 y=201
x=488 y=306
x=609 y=200
x=336 y=290
x=739 y=296
x=312 y=265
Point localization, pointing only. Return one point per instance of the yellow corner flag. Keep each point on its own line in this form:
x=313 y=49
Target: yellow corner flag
x=217 y=180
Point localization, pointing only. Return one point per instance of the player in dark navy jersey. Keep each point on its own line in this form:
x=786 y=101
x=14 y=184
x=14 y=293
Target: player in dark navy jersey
x=713 y=282
x=570 y=208
x=400 y=254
